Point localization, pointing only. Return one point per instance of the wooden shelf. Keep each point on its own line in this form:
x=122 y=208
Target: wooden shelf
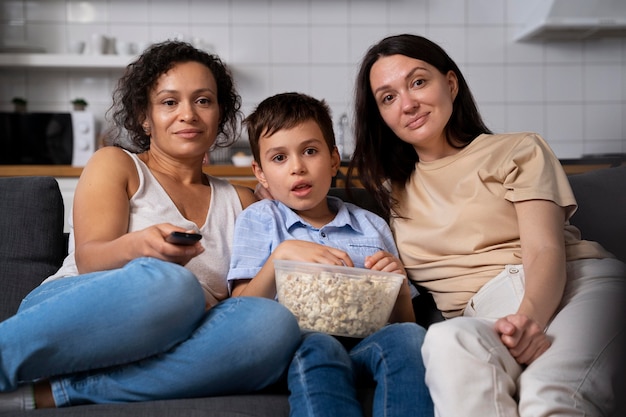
x=236 y=175
x=40 y=170
x=64 y=61
x=71 y=171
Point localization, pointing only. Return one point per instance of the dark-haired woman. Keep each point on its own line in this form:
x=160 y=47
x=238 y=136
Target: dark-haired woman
x=131 y=316
x=481 y=221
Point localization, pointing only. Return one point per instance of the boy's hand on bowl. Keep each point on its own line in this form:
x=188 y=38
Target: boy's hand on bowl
x=386 y=262
x=303 y=251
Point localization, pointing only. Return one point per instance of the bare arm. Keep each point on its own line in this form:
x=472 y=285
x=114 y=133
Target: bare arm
x=101 y=213
x=543 y=256
x=246 y=196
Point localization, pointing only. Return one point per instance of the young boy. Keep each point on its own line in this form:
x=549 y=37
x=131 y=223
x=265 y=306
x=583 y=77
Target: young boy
x=295 y=158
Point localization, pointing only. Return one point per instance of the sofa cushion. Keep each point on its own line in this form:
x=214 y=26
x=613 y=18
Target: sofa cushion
x=601 y=197
x=359 y=196
x=32 y=246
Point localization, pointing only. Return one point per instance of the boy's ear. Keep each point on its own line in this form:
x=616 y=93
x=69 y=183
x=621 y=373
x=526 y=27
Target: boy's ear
x=335 y=160
x=258 y=173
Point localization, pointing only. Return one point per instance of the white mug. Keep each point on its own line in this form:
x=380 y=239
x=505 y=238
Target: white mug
x=124 y=47
x=98 y=44
x=76 y=47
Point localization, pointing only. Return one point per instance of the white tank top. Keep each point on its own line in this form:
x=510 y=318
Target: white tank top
x=152 y=205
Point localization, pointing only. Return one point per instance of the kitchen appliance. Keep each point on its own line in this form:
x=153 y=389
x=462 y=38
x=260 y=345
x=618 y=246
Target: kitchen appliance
x=47 y=138
x=578 y=20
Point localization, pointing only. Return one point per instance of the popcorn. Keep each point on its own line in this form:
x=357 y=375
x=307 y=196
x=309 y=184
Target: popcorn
x=342 y=301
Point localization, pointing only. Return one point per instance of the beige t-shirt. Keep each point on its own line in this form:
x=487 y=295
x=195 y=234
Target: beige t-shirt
x=460 y=226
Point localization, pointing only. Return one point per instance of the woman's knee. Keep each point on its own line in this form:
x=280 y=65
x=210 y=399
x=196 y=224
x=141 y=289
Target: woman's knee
x=459 y=333
x=277 y=314
x=167 y=287
x=277 y=319
x=266 y=323
x=177 y=281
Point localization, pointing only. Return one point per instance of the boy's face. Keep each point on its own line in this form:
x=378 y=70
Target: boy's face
x=298 y=167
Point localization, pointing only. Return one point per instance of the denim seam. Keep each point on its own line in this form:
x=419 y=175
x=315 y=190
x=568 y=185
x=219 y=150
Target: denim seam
x=383 y=361
x=297 y=359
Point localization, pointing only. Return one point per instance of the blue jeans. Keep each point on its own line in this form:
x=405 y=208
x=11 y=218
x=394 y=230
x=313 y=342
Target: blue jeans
x=142 y=333
x=322 y=376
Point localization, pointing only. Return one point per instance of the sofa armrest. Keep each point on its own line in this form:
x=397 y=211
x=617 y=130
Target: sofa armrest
x=32 y=246
x=601 y=214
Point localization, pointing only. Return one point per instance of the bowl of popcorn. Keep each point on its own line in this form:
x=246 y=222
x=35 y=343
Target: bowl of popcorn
x=338 y=300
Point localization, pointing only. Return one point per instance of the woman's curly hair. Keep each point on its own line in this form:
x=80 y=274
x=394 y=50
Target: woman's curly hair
x=131 y=96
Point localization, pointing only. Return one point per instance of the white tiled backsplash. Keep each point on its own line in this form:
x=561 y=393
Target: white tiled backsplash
x=573 y=93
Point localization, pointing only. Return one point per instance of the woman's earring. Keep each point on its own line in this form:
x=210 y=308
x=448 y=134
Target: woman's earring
x=146 y=129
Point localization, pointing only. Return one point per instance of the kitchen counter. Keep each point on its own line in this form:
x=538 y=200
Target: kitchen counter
x=244 y=175
x=237 y=175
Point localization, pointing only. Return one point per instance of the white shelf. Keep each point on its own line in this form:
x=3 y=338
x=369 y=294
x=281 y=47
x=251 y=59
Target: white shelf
x=64 y=61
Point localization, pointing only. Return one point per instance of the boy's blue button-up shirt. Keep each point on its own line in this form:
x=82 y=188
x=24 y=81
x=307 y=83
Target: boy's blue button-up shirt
x=262 y=226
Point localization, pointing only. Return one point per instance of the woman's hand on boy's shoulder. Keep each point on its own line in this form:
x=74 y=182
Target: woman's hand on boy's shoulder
x=246 y=195
x=262 y=193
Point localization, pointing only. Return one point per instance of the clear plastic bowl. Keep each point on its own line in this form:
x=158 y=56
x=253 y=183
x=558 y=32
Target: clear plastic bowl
x=338 y=300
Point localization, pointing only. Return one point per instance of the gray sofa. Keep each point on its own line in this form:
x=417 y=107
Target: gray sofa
x=33 y=245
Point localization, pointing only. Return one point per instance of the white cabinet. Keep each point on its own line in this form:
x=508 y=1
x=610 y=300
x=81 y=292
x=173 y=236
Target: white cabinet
x=64 y=61
x=67 y=186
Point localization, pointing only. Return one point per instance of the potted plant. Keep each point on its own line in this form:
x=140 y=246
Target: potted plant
x=79 y=104
x=19 y=104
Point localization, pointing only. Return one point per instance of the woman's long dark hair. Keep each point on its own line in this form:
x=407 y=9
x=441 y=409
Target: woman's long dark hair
x=381 y=156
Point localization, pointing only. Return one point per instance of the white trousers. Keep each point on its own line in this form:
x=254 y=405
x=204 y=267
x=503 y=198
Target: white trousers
x=470 y=372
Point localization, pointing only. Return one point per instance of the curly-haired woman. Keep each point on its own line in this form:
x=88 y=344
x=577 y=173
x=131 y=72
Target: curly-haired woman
x=131 y=316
